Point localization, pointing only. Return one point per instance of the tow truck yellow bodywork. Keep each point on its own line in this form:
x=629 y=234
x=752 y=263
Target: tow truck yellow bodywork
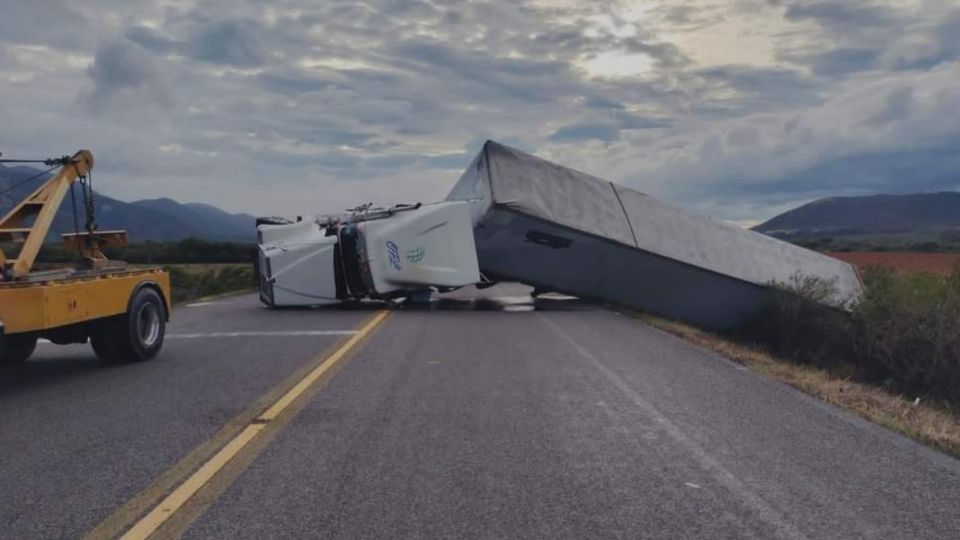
x=45 y=305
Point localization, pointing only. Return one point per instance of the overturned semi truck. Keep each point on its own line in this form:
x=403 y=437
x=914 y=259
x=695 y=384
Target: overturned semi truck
x=367 y=252
x=515 y=217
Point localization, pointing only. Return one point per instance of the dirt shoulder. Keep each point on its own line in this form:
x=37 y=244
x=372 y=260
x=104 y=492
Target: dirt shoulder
x=931 y=424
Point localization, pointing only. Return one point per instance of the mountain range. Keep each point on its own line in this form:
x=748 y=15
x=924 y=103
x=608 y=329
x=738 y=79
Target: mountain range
x=915 y=215
x=149 y=219
x=920 y=214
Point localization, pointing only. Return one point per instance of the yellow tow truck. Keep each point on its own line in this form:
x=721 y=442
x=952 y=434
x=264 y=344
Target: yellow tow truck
x=121 y=311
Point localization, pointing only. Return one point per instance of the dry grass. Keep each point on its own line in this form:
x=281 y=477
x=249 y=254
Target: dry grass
x=930 y=424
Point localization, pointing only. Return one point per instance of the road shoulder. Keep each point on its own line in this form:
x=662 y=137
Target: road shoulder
x=930 y=424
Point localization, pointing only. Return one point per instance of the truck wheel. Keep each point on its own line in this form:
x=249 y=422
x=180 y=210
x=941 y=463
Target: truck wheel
x=17 y=348
x=134 y=336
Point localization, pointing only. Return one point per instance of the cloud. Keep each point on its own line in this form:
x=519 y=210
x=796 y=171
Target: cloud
x=861 y=37
x=924 y=50
x=842 y=15
x=895 y=106
x=151 y=39
x=735 y=107
x=854 y=143
x=627 y=120
x=584 y=132
x=667 y=55
x=758 y=88
x=599 y=102
x=484 y=75
x=843 y=61
x=232 y=42
x=123 y=72
x=37 y=23
x=294 y=84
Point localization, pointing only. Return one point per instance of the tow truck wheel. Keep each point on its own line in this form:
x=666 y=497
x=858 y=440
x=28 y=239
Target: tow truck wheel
x=134 y=336
x=17 y=348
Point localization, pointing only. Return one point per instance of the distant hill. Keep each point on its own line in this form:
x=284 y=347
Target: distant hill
x=917 y=215
x=214 y=222
x=152 y=219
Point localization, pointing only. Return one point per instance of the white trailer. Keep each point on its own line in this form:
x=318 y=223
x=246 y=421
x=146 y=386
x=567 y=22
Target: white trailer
x=561 y=230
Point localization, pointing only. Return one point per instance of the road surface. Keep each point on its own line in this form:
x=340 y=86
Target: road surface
x=485 y=416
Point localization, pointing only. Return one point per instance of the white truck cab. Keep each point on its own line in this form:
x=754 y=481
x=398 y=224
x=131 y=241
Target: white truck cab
x=369 y=253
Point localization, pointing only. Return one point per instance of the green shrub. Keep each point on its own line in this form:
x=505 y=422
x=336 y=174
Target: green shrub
x=800 y=324
x=908 y=329
x=904 y=331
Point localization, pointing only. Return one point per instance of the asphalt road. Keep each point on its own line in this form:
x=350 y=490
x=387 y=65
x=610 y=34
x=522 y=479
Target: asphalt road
x=485 y=416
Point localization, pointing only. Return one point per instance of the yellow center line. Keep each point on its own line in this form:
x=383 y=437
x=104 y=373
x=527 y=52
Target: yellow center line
x=176 y=499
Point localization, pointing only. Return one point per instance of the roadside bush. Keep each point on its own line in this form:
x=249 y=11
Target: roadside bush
x=908 y=329
x=188 y=284
x=801 y=325
x=903 y=332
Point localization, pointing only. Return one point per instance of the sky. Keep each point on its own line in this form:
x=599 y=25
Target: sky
x=738 y=109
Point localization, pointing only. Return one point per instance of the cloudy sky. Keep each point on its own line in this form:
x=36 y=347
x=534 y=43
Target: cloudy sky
x=737 y=108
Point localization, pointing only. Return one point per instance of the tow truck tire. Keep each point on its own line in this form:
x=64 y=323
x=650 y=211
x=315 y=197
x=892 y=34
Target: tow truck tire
x=17 y=348
x=134 y=336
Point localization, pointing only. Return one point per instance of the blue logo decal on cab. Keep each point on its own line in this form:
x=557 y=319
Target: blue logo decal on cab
x=416 y=255
x=393 y=254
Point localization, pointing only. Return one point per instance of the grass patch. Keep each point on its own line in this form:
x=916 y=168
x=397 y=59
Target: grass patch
x=932 y=423
x=191 y=281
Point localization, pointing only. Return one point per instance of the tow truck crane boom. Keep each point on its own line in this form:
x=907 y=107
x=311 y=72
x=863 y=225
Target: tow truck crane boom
x=41 y=206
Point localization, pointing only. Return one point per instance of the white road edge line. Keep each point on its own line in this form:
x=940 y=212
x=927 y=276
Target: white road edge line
x=721 y=474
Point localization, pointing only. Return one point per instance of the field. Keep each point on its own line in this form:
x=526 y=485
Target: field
x=902 y=262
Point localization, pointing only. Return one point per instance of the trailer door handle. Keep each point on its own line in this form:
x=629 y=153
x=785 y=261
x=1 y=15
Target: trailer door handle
x=549 y=240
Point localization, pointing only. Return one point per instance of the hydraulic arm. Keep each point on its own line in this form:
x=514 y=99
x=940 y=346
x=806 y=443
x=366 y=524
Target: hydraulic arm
x=29 y=222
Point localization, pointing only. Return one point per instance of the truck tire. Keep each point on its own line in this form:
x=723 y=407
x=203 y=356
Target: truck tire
x=17 y=348
x=135 y=336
